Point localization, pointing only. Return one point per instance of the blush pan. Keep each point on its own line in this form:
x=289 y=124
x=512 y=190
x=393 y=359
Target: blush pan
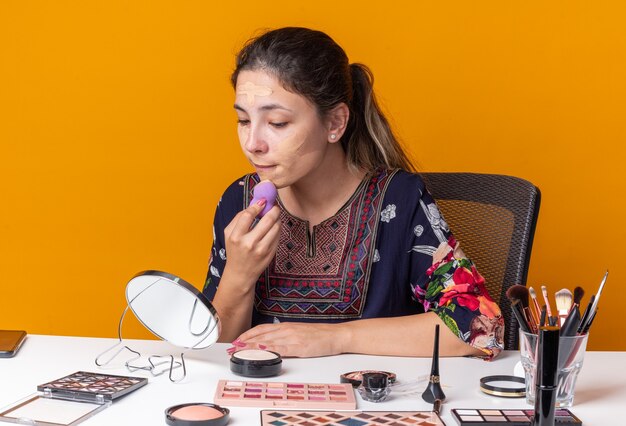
x=286 y=395
x=197 y=414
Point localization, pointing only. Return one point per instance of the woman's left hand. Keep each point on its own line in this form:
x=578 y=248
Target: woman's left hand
x=291 y=339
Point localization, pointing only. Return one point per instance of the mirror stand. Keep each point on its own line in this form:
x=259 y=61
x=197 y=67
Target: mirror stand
x=174 y=311
x=153 y=363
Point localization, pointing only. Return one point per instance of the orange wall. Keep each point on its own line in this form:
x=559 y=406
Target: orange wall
x=117 y=133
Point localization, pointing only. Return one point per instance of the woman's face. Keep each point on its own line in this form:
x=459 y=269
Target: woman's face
x=280 y=132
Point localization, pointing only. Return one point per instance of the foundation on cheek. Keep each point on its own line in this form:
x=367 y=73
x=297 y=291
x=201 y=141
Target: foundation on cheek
x=251 y=90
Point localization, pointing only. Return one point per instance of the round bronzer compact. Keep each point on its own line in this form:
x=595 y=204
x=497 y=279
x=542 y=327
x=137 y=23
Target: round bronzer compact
x=256 y=363
x=197 y=414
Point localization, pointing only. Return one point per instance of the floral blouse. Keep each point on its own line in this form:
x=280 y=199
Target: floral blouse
x=387 y=252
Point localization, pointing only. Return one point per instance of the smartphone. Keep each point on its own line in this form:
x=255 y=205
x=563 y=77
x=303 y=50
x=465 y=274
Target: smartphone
x=10 y=342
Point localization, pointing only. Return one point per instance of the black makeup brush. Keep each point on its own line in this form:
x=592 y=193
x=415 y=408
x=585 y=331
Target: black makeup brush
x=586 y=313
x=519 y=316
x=517 y=294
x=522 y=294
x=570 y=326
x=433 y=390
x=542 y=319
x=546 y=376
x=588 y=326
x=437 y=406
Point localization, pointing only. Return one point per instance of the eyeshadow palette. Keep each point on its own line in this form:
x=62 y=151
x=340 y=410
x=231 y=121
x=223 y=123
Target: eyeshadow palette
x=350 y=418
x=70 y=400
x=513 y=417
x=85 y=384
x=288 y=395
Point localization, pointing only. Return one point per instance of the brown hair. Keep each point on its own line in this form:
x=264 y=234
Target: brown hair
x=310 y=63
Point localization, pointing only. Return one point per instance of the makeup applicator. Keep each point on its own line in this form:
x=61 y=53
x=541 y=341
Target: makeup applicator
x=433 y=390
x=592 y=306
x=533 y=296
x=544 y=292
x=265 y=189
x=569 y=327
x=518 y=295
x=563 y=299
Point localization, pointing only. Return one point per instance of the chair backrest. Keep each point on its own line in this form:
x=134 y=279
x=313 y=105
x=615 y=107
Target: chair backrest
x=494 y=218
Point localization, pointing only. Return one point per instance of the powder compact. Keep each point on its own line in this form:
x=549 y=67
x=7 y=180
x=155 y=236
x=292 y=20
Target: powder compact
x=256 y=363
x=503 y=386
x=197 y=414
x=71 y=399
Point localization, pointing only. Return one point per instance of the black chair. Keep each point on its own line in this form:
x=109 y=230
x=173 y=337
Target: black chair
x=494 y=218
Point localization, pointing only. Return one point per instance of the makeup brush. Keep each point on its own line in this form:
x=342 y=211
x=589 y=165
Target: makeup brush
x=579 y=292
x=591 y=318
x=519 y=316
x=586 y=313
x=437 y=406
x=517 y=307
x=520 y=293
x=546 y=375
x=594 y=306
x=533 y=296
x=569 y=327
x=433 y=390
x=544 y=291
x=542 y=320
x=563 y=299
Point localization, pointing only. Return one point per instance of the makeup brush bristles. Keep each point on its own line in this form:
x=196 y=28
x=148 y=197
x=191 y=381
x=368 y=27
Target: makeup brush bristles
x=537 y=308
x=544 y=292
x=563 y=299
x=579 y=292
x=520 y=293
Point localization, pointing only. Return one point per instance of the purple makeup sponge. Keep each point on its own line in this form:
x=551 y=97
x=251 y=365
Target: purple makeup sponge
x=265 y=189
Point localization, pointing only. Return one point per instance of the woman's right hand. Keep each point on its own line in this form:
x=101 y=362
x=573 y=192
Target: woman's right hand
x=250 y=249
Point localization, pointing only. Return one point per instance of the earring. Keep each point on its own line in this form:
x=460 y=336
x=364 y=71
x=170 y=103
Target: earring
x=333 y=136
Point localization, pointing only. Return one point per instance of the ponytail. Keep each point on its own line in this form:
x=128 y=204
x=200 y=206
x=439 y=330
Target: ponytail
x=369 y=142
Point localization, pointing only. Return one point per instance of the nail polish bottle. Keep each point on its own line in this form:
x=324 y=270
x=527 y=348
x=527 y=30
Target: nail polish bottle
x=374 y=387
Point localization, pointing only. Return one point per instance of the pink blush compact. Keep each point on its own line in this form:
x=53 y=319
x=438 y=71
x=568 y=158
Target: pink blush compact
x=197 y=414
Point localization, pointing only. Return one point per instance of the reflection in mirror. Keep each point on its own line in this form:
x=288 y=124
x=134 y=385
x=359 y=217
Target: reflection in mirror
x=173 y=309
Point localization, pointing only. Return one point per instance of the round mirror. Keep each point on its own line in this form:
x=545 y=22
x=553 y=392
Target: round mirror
x=173 y=309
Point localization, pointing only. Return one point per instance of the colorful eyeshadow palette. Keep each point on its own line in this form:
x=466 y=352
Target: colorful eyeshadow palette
x=287 y=395
x=513 y=417
x=87 y=384
x=350 y=418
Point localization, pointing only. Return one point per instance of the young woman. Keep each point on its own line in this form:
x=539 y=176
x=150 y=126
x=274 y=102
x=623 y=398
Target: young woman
x=355 y=257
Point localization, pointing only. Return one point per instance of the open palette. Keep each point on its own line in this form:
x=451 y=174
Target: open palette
x=88 y=384
x=512 y=417
x=350 y=418
x=70 y=400
x=288 y=395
